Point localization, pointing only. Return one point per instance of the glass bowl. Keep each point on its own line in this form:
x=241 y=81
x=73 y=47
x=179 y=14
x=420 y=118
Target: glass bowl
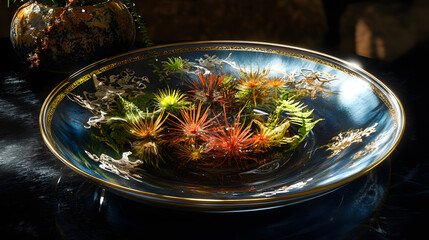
x=363 y=123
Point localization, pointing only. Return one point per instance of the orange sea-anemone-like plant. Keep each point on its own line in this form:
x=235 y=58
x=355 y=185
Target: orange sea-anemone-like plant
x=275 y=83
x=191 y=152
x=191 y=125
x=142 y=128
x=254 y=82
x=148 y=135
x=231 y=142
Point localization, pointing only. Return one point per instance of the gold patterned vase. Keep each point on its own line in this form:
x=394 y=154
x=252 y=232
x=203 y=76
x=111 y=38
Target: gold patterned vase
x=68 y=38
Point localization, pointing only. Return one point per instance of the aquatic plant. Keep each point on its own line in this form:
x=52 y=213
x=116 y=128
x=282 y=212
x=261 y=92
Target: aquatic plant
x=208 y=88
x=170 y=100
x=220 y=120
x=191 y=152
x=230 y=142
x=191 y=125
x=276 y=83
x=175 y=65
x=251 y=85
x=147 y=133
x=298 y=114
x=143 y=128
x=267 y=137
x=149 y=151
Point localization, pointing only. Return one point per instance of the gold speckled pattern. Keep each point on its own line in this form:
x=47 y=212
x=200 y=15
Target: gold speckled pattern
x=83 y=33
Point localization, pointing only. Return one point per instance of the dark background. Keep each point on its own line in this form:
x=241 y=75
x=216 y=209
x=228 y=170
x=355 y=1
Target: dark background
x=393 y=31
x=389 y=38
x=382 y=29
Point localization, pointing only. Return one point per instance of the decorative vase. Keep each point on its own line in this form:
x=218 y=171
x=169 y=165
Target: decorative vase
x=68 y=38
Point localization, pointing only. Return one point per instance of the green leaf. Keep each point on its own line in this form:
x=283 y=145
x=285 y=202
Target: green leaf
x=298 y=115
x=128 y=110
x=175 y=65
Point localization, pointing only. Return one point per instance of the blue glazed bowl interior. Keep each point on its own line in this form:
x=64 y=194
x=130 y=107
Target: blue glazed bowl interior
x=363 y=123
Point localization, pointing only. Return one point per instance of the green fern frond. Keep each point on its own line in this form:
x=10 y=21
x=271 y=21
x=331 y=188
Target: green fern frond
x=128 y=110
x=138 y=19
x=298 y=114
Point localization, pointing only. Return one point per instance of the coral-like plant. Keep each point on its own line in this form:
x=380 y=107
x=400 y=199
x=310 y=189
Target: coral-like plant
x=230 y=142
x=276 y=83
x=208 y=88
x=147 y=133
x=171 y=100
x=223 y=121
x=191 y=152
x=143 y=128
x=251 y=85
x=191 y=126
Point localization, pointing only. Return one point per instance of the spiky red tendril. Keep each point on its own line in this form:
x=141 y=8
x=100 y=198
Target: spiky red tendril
x=230 y=142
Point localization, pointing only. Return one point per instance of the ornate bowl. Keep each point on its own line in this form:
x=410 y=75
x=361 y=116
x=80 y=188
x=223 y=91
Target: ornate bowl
x=363 y=123
x=82 y=35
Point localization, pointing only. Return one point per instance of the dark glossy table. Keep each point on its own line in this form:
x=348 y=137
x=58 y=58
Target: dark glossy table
x=40 y=198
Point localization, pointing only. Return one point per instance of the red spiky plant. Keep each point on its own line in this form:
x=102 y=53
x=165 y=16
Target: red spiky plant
x=230 y=142
x=208 y=88
x=191 y=125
